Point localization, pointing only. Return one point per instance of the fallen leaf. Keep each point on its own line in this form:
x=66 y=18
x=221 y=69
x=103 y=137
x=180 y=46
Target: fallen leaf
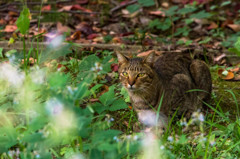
x=78 y=7
x=2 y=21
x=218 y=58
x=213 y=25
x=234 y=27
x=61 y=28
x=98 y=40
x=46 y=8
x=114 y=67
x=116 y=40
x=94 y=100
x=65 y=8
x=146 y=53
x=165 y=4
x=226 y=75
x=11 y=13
x=92 y=36
x=226 y=22
x=76 y=35
x=236 y=69
x=158 y=13
x=10 y=28
x=85 y=28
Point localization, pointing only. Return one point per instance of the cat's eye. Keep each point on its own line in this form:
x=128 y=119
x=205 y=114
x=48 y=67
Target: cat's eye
x=125 y=74
x=141 y=74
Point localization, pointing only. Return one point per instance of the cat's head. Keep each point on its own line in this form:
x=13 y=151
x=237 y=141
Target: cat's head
x=136 y=74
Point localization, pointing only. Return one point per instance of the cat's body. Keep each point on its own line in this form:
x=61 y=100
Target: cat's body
x=172 y=76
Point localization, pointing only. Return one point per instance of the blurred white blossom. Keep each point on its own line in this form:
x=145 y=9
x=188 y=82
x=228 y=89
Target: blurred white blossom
x=197 y=116
x=170 y=138
x=54 y=106
x=54 y=40
x=11 y=74
x=38 y=76
x=97 y=67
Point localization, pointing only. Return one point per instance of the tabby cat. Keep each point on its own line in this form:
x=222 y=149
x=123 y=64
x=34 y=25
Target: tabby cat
x=172 y=76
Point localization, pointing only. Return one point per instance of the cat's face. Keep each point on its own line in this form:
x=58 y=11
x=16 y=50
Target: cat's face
x=135 y=74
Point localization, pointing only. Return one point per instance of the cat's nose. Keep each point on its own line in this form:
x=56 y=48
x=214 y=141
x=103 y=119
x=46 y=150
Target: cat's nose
x=131 y=83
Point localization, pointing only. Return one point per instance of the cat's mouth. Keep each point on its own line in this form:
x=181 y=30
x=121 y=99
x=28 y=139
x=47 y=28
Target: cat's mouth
x=132 y=89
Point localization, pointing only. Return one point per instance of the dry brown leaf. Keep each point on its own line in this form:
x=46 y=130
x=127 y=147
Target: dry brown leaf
x=165 y=4
x=65 y=8
x=146 y=53
x=116 y=40
x=229 y=76
x=76 y=35
x=61 y=28
x=10 y=28
x=236 y=69
x=218 y=58
x=213 y=25
x=158 y=13
x=46 y=8
x=94 y=100
x=234 y=27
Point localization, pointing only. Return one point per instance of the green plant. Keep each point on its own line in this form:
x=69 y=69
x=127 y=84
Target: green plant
x=23 y=23
x=141 y=3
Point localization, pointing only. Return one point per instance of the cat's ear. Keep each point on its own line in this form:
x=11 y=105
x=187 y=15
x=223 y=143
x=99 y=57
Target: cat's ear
x=149 y=59
x=121 y=58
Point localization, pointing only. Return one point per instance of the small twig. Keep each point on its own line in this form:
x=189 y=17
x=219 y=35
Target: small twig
x=34 y=3
x=34 y=11
x=114 y=2
x=123 y=5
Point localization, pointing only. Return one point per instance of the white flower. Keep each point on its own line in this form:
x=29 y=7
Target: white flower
x=55 y=41
x=183 y=122
x=198 y=116
x=162 y=147
x=135 y=137
x=38 y=76
x=212 y=142
x=97 y=67
x=54 y=106
x=170 y=138
x=201 y=117
x=11 y=74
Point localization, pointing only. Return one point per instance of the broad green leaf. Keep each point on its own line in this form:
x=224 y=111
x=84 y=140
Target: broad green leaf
x=226 y=3
x=201 y=15
x=165 y=25
x=117 y=105
x=125 y=94
x=106 y=134
x=105 y=146
x=146 y=3
x=154 y=23
x=23 y=20
x=108 y=97
x=187 y=10
x=88 y=62
x=82 y=91
x=171 y=11
x=58 y=80
x=133 y=8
